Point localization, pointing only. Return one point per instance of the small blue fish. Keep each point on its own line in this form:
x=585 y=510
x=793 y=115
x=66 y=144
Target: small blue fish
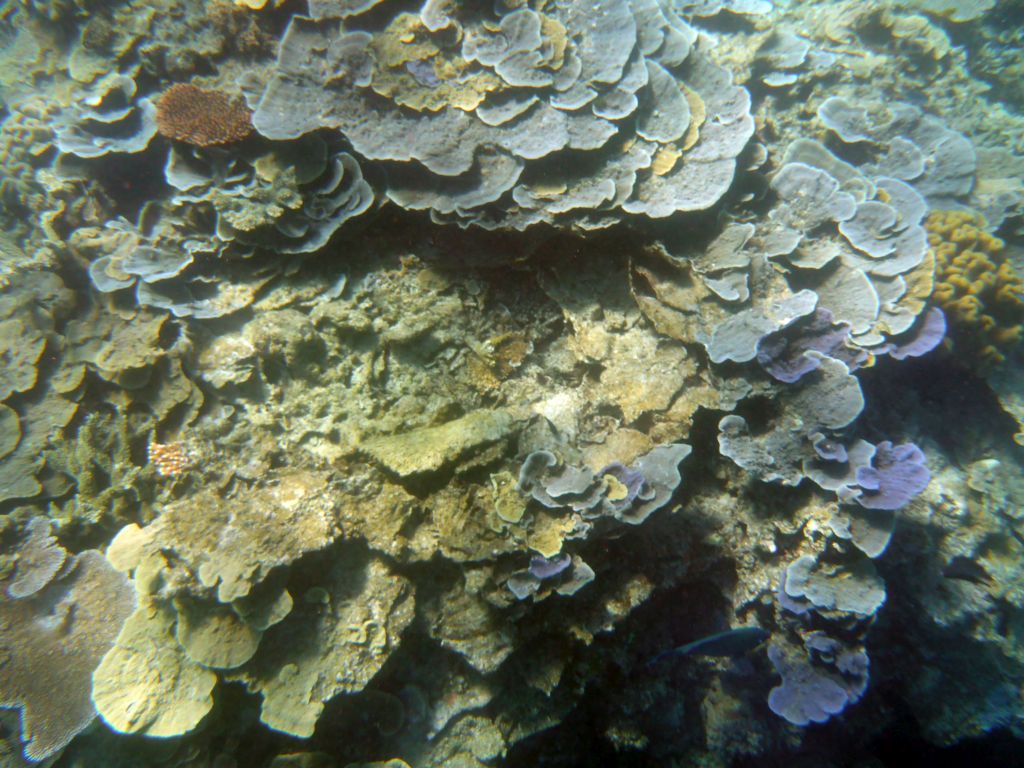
x=732 y=642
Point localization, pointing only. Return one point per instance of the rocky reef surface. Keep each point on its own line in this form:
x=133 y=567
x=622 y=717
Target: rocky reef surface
x=398 y=384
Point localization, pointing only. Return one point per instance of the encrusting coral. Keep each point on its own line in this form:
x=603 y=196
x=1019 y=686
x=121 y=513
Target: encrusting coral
x=976 y=285
x=187 y=113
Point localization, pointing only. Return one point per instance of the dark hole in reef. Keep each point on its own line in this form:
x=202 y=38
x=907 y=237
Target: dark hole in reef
x=377 y=18
x=1011 y=231
x=101 y=479
x=593 y=371
x=138 y=450
x=174 y=421
x=131 y=179
x=704 y=439
x=857 y=153
x=758 y=412
x=874 y=34
x=943 y=393
x=644 y=422
x=169 y=335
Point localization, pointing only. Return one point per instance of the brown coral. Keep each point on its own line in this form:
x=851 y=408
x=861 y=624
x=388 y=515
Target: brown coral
x=977 y=286
x=201 y=118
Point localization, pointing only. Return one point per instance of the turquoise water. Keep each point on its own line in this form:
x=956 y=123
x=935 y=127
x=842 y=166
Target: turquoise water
x=545 y=382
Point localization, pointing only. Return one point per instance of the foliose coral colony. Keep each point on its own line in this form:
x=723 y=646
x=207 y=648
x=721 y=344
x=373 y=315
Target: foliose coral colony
x=394 y=370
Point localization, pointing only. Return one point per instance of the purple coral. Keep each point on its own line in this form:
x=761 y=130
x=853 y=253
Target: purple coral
x=783 y=353
x=648 y=484
x=631 y=479
x=806 y=695
x=925 y=337
x=659 y=469
x=542 y=568
x=799 y=606
x=555 y=485
x=896 y=475
x=829 y=449
x=810 y=693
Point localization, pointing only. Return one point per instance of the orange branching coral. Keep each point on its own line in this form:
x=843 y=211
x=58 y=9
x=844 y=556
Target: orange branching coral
x=976 y=285
x=201 y=118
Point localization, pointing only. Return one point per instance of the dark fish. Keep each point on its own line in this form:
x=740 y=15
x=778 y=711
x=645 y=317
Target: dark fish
x=732 y=642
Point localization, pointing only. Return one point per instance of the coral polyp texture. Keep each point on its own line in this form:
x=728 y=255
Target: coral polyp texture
x=201 y=118
x=568 y=113
x=978 y=287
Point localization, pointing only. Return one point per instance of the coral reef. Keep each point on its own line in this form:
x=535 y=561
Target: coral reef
x=107 y=119
x=977 y=286
x=403 y=380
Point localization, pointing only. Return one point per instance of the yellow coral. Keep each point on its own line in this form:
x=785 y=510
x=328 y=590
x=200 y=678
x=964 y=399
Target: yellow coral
x=257 y=5
x=417 y=70
x=981 y=293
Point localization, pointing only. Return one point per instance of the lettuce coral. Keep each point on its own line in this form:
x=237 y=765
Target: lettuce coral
x=570 y=112
x=977 y=287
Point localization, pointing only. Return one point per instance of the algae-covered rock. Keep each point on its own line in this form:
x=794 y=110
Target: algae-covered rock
x=125 y=350
x=461 y=620
x=227 y=360
x=230 y=543
x=958 y=11
x=332 y=646
x=10 y=430
x=429 y=449
x=110 y=486
x=998 y=488
x=473 y=741
x=20 y=349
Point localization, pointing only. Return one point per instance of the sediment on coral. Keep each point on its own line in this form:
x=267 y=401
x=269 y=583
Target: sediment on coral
x=59 y=614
